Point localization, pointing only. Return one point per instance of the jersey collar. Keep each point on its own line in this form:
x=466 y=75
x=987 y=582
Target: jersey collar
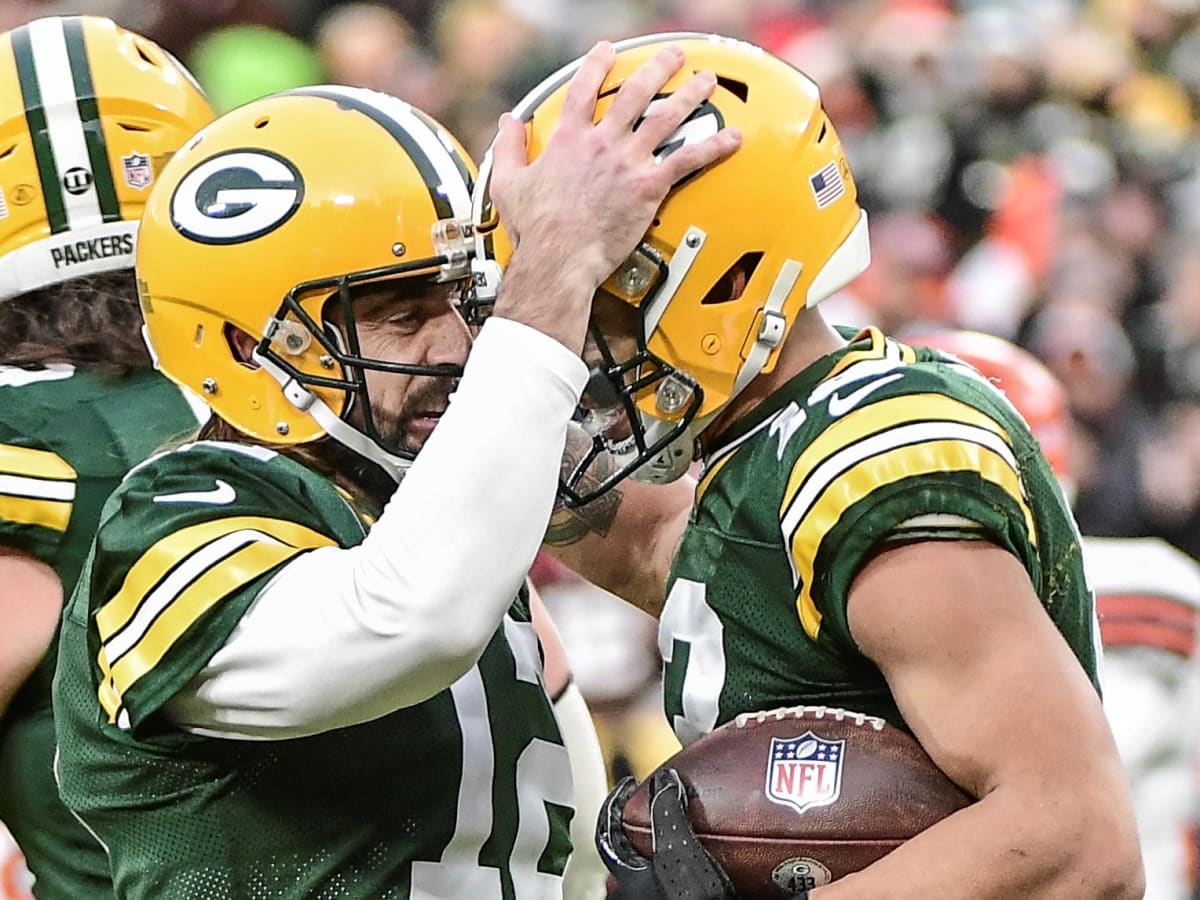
x=801 y=384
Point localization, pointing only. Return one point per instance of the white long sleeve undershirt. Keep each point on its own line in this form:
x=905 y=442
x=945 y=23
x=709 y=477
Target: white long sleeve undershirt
x=343 y=636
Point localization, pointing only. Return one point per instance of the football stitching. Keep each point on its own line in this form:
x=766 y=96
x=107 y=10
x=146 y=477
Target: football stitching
x=813 y=712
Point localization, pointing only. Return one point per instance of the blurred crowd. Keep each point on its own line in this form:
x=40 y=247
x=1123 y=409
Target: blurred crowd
x=1029 y=166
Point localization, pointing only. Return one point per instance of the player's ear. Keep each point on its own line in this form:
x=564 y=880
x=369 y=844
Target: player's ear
x=242 y=345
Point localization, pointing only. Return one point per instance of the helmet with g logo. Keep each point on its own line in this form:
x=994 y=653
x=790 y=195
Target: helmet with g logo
x=258 y=223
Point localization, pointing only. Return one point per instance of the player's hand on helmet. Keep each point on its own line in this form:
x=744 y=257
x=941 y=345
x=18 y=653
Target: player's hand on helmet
x=592 y=193
x=679 y=868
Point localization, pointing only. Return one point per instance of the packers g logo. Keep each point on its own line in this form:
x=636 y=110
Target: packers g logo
x=704 y=122
x=236 y=196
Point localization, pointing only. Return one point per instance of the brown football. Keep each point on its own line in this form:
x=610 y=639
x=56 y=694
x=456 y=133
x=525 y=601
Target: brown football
x=798 y=797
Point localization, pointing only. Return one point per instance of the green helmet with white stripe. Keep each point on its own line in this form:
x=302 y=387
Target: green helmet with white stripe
x=89 y=115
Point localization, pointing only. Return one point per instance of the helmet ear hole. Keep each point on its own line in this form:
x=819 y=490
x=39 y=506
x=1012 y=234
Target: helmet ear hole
x=241 y=344
x=732 y=284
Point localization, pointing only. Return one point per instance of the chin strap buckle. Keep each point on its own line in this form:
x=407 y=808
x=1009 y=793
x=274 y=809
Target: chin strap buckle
x=770 y=332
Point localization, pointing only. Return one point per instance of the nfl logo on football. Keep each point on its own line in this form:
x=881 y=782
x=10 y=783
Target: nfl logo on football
x=805 y=771
x=138 y=173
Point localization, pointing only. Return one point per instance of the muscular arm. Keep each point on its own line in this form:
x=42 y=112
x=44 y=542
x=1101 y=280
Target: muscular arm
x=1002 y=706
x=625 y=540
x=30 y=604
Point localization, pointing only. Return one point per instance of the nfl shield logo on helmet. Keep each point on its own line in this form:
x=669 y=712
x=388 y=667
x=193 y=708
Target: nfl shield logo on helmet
x=138 y=173
x=805 y=771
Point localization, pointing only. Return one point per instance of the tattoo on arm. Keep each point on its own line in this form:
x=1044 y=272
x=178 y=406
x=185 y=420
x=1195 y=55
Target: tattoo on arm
x=569 y=526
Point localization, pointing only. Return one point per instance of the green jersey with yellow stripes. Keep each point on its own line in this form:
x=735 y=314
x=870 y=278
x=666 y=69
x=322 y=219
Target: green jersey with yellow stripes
x=876 y=442
x=66 y=439
x=467 y=794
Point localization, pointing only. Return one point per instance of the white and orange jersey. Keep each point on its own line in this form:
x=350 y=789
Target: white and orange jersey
x=1148 y=600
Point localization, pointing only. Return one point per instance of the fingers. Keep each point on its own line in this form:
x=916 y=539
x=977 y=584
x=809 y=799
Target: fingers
x=668 y=803
x=666 y=785
x=611 y=840
x=508 y=149
x=679 y=858
x=579 y=106
x=641 y=87
x=692 y=158
x=509 y=157
x=666 y=115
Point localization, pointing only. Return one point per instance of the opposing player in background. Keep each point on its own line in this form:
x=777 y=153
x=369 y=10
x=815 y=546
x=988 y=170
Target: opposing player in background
x=1148 y=600
x=89 y=115
x=299 y=662
x=873 y=529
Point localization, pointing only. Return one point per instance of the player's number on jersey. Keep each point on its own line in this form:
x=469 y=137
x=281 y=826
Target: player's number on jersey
x=543 y=775
x=687 y=621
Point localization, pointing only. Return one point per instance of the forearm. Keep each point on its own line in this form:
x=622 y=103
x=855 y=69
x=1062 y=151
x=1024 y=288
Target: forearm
x=1037 y=845
x=548 y=291
x=13 y=672
x=341 y=636
x=625 y=540
x=30 y=607
x=24 y=642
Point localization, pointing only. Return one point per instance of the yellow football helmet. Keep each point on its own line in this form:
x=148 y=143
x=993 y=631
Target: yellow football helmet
x=89 y=115
x=270 y=211
x=734 y=254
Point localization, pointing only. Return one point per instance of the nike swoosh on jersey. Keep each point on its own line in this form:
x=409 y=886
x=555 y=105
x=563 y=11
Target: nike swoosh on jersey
x=221 y=495
x=839 y=405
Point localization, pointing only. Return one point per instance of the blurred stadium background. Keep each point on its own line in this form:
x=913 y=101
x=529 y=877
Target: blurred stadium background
x=1030 y=168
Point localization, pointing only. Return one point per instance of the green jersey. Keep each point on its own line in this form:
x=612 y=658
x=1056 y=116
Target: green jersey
x=66 y=439
x=466 y=794
x=875 y=442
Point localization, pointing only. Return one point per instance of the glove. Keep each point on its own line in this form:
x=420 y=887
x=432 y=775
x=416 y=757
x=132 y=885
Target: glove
x=680 y=869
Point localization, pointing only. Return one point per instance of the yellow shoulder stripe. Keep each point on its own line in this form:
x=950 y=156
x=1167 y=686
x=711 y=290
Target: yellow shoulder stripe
x=859 y=481
x=171 y=551
x=53 y=514
x=37 y=487
x=31 y=463
x=184 y=611
x=878 y=417
x=174 y=584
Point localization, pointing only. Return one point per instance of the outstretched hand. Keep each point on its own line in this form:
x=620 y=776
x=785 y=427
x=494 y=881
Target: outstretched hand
x=592 y=193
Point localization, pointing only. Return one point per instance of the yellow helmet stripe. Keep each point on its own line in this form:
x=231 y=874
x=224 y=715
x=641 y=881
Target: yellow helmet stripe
x=35 y=117
x=89 y=116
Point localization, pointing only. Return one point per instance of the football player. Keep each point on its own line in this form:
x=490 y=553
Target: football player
x=89 y=115
x=299 y=661
x=873 y=529
x=1148 y=601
